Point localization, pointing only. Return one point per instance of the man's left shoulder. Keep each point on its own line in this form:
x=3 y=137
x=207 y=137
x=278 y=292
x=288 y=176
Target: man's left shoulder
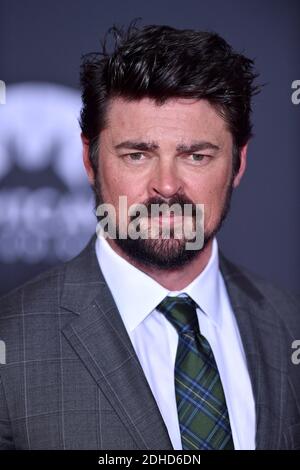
x=283 y=301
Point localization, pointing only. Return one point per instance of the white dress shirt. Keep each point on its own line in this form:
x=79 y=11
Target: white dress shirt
x=155 y=339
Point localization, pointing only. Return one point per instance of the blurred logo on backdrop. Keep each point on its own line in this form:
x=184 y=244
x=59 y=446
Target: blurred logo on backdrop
x=46 y=205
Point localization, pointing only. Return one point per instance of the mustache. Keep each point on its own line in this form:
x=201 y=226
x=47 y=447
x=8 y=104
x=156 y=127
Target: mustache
x=179 y=200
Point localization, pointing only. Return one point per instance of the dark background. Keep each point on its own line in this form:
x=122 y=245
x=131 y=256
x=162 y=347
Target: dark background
x=42 y=41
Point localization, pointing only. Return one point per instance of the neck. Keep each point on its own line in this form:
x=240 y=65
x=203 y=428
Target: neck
x=171 y=279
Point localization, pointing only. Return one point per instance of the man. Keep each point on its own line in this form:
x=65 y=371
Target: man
x=140 y=342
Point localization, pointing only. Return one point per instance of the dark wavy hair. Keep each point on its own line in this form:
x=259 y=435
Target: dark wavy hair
x=161 y=62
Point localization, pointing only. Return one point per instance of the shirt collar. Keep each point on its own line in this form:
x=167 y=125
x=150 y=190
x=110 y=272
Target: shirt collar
x=136 y=294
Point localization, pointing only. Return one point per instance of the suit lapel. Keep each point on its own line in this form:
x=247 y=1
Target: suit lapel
x=267 y=361
x=100 y=339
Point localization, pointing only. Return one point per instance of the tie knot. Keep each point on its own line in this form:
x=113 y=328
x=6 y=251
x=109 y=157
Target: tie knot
x=180 y=311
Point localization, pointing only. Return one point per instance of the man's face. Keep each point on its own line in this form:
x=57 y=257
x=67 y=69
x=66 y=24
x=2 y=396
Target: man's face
x=180 y=151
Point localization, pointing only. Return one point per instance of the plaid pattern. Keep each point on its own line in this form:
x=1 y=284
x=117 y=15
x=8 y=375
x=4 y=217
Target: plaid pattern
x=202 y=411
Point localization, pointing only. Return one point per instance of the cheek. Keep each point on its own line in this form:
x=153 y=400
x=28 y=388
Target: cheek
x=212 y=195
x=115 y=183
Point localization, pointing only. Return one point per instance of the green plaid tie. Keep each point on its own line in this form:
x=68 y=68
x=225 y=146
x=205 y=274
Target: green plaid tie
x=202 y=411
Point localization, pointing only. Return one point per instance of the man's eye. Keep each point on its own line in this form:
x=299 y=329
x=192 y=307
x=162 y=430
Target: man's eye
x=197 y=157
x=134 y=156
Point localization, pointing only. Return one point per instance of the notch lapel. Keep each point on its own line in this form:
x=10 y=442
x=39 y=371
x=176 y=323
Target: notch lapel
x=261 y=336
x=100 y=339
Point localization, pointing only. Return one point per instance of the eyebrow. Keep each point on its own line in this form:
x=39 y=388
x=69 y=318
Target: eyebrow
x=150 y=146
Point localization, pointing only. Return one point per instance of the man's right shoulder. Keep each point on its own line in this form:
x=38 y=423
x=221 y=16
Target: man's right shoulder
x=42 y=292
x=39 y=293
x=31 y=318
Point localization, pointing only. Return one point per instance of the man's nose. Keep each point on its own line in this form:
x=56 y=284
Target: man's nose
x=165 y=180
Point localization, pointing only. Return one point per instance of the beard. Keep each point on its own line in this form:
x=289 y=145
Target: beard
x=161 y=253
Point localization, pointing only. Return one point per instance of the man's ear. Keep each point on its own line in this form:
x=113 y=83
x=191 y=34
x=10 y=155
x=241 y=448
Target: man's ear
x=243 y=164
x=86 y=159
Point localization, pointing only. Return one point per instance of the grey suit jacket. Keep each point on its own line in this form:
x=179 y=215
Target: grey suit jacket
x=72 y=379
